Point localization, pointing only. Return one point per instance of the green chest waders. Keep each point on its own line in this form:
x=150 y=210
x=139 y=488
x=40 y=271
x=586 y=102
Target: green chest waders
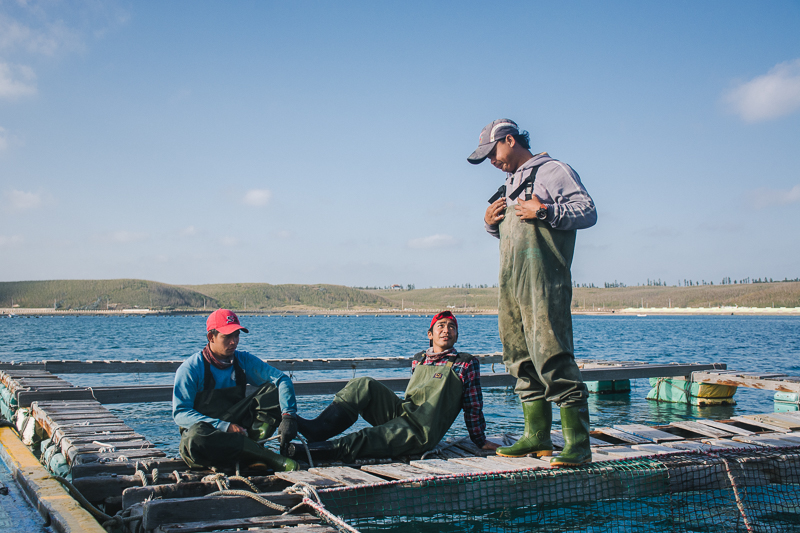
x=534 y=319
x=203 y=444
x=432 y=402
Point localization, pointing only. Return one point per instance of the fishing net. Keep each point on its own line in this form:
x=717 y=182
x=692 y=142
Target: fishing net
x=724 y=491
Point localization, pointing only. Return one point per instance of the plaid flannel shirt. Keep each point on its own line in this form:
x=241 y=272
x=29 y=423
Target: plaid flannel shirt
x=472 y=398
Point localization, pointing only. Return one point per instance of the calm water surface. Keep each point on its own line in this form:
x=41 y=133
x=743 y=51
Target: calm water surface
x=744 y=343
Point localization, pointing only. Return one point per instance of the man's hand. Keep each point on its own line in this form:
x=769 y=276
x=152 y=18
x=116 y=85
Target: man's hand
x=236 y=428
x=526 y=209
x=490 y=446
x=287 y=431
x=495 y=212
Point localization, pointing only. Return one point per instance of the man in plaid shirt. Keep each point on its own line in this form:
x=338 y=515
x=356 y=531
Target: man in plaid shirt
x=444 y=382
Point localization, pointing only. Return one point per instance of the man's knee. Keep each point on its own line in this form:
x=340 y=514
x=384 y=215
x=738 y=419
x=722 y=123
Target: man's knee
x=204 y=445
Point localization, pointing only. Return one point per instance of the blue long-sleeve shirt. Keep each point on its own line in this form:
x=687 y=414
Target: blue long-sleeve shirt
x=190 y=379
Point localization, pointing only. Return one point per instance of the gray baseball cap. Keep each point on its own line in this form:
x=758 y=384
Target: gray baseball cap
x=492 y=133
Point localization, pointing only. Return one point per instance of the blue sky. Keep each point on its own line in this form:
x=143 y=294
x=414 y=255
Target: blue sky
x=326 y=142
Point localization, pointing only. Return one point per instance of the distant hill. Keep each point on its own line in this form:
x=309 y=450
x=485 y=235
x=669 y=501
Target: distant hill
x=129 y=293
x=254 y=296
x=778 y=294
x=100 y=294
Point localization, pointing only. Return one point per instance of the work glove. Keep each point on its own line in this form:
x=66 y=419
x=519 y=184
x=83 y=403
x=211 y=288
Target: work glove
x=287 y=431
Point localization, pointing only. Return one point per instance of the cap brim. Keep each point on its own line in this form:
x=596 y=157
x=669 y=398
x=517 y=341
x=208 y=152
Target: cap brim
x=482 y=152
x=230 y=328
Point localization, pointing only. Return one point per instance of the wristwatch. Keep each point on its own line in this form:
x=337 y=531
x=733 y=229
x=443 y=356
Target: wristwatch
x=541 y=213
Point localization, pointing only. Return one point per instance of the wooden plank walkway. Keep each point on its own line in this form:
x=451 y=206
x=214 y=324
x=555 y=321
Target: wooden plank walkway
x=86 y=432
x=38 y=381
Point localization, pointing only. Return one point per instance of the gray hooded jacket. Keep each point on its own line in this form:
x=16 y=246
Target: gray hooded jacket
x=559 y=187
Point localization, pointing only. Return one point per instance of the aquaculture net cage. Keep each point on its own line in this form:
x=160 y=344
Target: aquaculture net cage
x=733 y=490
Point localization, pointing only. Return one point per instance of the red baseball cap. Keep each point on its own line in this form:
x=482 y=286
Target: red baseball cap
x=443 y=315
x=225 y=321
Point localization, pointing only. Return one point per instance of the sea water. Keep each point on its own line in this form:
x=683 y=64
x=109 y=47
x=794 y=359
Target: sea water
x=744 y=343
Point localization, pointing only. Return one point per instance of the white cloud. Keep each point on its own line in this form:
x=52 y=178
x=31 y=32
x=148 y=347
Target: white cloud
x=770 y=96
x=124 y=237
x=47 y=40
x=3 y=139
x=229 y=241
x=188 y=231
x=773 y=197
x=21 y=200
x=10 y=241
x=16 y=81
x=257 y=197
x=437 y=241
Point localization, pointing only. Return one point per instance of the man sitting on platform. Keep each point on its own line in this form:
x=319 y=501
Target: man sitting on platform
x=443 y=382
x=220 y=424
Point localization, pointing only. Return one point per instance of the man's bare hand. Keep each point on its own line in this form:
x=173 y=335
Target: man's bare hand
x=495 y=212
x=490 y=446
x=236 y=428
x=526 y=209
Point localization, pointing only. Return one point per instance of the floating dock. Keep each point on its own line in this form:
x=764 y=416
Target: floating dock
x=133 y=486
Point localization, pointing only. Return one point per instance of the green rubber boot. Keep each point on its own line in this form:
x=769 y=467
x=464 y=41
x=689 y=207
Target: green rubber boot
x=575 y=427
x=536 y=440
x=254 y=454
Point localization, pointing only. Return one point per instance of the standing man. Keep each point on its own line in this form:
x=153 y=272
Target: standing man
x=443 y=382
x=535 y=215
x=219 y=423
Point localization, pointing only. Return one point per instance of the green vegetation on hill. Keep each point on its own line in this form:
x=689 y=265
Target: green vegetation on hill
x=128 y=293
x=99 y=294
x=440 y=298
x=257 y=296
x=778 y=294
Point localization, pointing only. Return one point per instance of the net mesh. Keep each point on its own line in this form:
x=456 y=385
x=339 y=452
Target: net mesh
x=721 y=491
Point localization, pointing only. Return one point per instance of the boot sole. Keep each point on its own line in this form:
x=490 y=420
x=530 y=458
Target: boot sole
x=586 y=461
x=540 y=453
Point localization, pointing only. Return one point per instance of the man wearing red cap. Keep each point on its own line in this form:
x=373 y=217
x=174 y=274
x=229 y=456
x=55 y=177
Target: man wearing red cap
x=443 y=382
x=220 y=424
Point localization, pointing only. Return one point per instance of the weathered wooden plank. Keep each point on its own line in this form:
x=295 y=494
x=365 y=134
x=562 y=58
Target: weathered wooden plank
x=82 y=431
x=249 y=524
x=157 y=512
x=127 y=467
x=469 y=447
x=304 y=476
x=688 y=445
x=25 y=398
x=645 y=432
x=396 y=471
x=522 y=463
x=730 y=428
x=83 y=458
x=769 y=440
x=621 y=452
x=485 y=464
x=346 y=475
x=701 y=429
x=728 y=443
x=622 y=435
x=441 y=466
x=746 y=381
x=654 y=449
x=785 y=420
x=557 y=437
x=759 y=421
